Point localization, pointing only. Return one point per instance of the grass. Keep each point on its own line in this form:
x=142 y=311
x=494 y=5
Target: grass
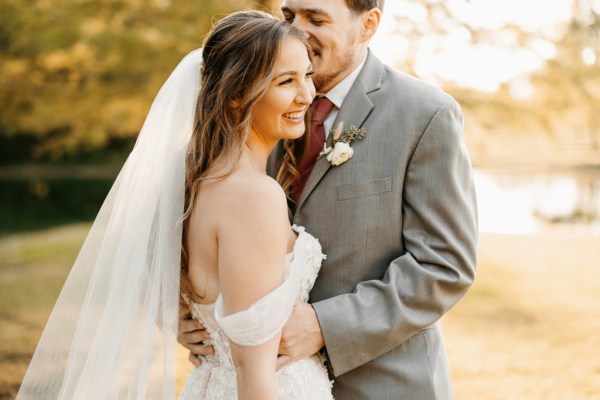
x=527 y=329
x=33 y=268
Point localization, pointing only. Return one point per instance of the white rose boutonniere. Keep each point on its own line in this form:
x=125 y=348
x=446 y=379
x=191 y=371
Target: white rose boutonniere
x=340 y=151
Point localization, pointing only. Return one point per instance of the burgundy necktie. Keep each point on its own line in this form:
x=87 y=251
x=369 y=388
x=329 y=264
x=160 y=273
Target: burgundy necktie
x=321 y=108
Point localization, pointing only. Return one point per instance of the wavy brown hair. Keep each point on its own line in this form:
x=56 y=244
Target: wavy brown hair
x=239 y=55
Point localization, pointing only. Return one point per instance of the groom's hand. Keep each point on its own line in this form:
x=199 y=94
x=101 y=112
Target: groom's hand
x=192 y=335
x=301 y=336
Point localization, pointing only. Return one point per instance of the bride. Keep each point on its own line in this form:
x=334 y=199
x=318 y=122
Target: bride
x=194 y=223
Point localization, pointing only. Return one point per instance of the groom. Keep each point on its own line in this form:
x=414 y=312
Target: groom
x=397 y=220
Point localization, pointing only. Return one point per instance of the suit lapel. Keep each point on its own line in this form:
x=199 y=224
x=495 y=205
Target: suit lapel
x=355 y=109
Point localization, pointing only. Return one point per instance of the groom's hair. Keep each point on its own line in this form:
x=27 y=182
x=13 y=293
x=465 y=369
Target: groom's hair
x=360 y=6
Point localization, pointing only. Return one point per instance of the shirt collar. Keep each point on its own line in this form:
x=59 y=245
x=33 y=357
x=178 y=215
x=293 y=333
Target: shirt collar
x=339 y=92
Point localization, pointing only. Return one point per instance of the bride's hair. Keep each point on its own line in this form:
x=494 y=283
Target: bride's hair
x=238 y=59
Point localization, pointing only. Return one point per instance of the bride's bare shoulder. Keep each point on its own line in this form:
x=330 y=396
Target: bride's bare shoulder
x=249 y=191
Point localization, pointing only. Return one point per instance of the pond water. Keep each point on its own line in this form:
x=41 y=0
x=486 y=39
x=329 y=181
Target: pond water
x=511 y=203
x=533 y=203
x=30 y=204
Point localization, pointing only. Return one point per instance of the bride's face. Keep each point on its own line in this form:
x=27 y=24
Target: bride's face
x=279 y=113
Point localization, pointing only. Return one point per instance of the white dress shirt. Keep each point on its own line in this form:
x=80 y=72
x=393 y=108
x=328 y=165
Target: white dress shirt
x=338 y=93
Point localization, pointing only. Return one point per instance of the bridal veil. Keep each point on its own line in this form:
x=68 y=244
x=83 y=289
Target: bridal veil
x=113 y=331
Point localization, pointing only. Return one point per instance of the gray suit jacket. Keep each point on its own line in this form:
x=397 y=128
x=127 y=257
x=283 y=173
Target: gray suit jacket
x=398 y=224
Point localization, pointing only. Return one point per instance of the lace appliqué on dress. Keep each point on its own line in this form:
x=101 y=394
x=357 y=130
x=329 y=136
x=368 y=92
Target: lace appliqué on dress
x=304 y=380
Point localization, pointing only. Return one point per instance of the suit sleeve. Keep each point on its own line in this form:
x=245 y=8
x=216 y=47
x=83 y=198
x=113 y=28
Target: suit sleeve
x=439 y=232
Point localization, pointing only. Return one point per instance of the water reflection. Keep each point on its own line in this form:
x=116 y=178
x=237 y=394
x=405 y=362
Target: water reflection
x=532 y=203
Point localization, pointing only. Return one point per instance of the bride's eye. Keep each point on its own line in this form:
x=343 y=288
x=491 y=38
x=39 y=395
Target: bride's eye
x=290 y=80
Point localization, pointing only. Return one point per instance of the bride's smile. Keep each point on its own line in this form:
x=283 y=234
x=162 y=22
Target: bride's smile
x=279 y=113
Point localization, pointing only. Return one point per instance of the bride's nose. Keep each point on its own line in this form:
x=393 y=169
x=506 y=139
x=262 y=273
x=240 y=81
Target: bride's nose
x=306 y=92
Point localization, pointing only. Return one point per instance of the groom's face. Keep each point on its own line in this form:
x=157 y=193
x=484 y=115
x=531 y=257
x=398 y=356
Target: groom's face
x=333 y=30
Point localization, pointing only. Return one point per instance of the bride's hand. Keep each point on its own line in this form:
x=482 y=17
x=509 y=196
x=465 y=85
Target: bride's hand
x=301 y=336
x=192 y=335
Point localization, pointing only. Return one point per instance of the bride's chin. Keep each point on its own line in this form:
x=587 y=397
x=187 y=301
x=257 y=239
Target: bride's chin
x=295 y=135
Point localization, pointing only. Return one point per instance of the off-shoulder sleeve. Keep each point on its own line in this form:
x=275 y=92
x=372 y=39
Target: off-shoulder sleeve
x=265 y=318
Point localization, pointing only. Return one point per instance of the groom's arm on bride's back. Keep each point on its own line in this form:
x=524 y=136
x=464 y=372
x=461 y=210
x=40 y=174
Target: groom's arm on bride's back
x=436 y=263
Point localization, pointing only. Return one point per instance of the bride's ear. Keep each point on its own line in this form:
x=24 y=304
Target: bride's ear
x=234 y=103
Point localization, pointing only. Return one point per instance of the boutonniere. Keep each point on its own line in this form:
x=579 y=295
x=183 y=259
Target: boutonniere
x=340 y=151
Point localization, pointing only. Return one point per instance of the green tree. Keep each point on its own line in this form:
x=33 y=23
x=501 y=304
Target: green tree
x=78 y=74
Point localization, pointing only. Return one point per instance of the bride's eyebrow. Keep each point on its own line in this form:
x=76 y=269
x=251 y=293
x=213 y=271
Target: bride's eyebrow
x=286 y=73
x=310 y=68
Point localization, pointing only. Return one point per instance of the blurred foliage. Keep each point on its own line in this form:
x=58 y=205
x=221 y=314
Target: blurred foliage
x=564 y=95
x=76 y=81
x=568 y=88
x=80 y=74
x=77 y=77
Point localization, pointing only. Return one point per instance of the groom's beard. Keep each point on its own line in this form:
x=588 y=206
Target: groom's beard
x=324 y=76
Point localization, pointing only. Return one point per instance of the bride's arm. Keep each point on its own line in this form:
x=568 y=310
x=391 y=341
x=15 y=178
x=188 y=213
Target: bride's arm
x=252 y=240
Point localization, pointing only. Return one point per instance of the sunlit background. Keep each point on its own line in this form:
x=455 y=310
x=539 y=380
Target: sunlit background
x=77 y=78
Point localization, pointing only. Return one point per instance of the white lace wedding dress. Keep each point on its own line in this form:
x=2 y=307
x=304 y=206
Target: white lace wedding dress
x=304 y=380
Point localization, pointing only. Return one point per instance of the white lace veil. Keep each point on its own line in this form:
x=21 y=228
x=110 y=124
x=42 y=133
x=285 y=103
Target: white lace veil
x=113 y=331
